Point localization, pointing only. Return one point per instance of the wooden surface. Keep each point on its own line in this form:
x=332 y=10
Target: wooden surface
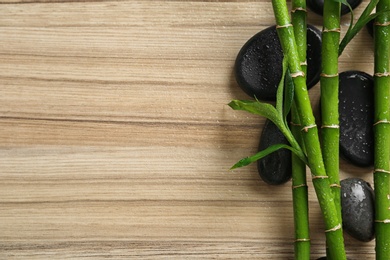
x=116 y=140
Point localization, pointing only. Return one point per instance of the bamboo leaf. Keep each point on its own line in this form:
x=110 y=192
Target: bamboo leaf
x=358 y=26
x=248 y=160
x=270 y=112
x=344 y=2
x=364 y=18
x=273 y=148
x=258 y=108
x=288 y=95
x=280 y=90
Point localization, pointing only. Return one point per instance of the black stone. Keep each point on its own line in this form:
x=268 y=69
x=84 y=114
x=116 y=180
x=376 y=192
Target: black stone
x=258 y=66
x=370 y=27
x=275 y=168
x=356 y=109
x=317 y=6
x=358 y=208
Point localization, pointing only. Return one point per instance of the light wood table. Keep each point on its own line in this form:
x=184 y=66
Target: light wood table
x=116 y=139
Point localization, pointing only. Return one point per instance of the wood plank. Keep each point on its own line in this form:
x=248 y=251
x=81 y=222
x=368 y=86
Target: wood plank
x=116 y=139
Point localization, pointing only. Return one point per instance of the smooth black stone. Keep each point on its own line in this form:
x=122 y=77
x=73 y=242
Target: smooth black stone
x=358 y=208
x=356 y=115
x=317 y=6
x=275 y=168
x=370 y=27
x=258 y=66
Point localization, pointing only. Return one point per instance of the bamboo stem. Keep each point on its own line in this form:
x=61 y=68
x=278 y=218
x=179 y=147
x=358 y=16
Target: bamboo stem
x=329 y=96
x=299 y=185
x=334 y=235
x=300 y=198
x=382 y=131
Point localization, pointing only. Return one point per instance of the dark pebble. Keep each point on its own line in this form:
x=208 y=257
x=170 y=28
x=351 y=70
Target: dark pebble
x=356 y=108
x=370 y=27
x=317 y=6
x=258 y=66
x=275 y=168
x=358 y=208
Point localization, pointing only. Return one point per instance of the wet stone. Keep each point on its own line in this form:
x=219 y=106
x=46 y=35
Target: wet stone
x=356 y=115
x=317 y=6
x=358 y=208
x=370 y=27
x=258 y=66
x=274 y=168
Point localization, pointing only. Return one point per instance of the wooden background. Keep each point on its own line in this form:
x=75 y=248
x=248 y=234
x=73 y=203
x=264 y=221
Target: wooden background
x=116 y=140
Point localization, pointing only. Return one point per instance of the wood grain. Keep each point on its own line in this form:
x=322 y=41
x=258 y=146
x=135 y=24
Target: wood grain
x=116 y=140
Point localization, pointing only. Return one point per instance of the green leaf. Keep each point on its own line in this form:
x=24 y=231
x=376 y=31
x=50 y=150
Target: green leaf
x=364 y=18
x=258 y=108
x=288 y=95
x=268 y=111
x=344 y=2
x=248 y=160
x=280 y=90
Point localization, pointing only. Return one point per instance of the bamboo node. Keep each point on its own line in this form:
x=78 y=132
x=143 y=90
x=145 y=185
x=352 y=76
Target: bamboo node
x=383 y=121
x=297 y=74
x=283 y=26
x=302 y=240
x=382 y=24
x=324 y=75
x=334 y=228
x=298 y=9
x=381 y=170
x=331 y=30
x=380 y=74
x=331 y=126
x=303 y=63
x=306 y=128
x=384 y=221
x=299 y=186
x=314 y=177
x=294 y=124
x=335 y=185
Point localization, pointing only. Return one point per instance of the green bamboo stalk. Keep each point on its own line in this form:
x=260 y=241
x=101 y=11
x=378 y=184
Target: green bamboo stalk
x=329 y=82
x=382 y=130
x=300 y=197
x=299 y=185
x=334 y=234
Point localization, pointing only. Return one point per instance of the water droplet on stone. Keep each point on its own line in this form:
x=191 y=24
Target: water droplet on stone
x=263 y=54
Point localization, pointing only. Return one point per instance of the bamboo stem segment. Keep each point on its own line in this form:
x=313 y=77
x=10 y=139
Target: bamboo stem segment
x=329 y=82
x=382 y=130
x=299 y=185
